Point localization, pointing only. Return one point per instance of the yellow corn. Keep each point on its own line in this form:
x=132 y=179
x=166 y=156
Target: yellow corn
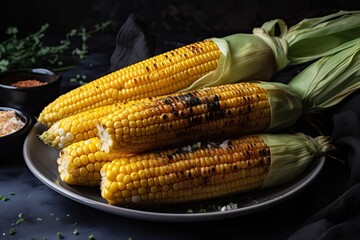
x=183 y=175
x=208 y=113
x=80 y=162
x=210 y=169
x=78 y=127
x=74 y=128
x=159 y=75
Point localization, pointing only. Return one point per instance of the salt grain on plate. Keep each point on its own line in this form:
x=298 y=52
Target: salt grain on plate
x=225 y=144
x=230 y=206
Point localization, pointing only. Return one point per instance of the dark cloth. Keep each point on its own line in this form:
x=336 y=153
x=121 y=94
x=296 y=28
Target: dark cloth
x=134 y=43
x=341 y=218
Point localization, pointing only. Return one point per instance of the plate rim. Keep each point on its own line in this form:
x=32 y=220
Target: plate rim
x=162 y=216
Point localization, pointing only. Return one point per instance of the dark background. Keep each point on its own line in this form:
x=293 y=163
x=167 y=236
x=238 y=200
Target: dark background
x=192 y=18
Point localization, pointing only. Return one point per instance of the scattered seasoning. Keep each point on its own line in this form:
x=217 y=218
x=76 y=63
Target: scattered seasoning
x=21 y=219
x=59 y=235
x=213 y=207
x=12 y=231
x=9 y=122
x=79 y=79
x=4 y=199
x=12 y=193
x=228 y=207
x=91 y=237
x=28 y=83
x=76 y=232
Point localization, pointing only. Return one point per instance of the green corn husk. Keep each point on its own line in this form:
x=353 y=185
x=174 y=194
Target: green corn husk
x=259 y=55
x=326 y=36
x=285 y=104
x=291 y=154
x=243 y=57
x=329 y=80
x=321 y=85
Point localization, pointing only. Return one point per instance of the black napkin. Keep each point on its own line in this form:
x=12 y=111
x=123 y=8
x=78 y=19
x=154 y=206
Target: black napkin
x=135 y=43
x=341 y=218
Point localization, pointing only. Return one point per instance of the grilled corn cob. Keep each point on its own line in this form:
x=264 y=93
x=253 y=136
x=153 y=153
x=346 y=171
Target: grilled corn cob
x=78 y=127
x=209 y=170
x=221 y=111
x=80 y=162
x=252 y=103
x=74 y=128
x=163 y=74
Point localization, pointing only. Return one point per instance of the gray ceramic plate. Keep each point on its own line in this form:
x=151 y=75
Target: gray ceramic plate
x=41 y=160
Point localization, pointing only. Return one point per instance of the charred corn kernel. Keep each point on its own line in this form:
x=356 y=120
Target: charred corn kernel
x=212 y=169
x=159 y=75
x=213 y=112
x=78 y=165
x=78 y=127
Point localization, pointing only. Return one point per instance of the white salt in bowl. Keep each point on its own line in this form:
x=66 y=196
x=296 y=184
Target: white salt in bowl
x=11 y=144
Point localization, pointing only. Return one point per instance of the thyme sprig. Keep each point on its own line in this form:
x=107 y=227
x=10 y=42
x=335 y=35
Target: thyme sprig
x=32 y=51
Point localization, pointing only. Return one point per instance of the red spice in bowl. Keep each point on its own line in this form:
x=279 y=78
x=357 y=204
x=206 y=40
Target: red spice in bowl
x=28 y=83
x=28 y=97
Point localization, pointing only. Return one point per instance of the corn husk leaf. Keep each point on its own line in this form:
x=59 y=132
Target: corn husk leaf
x=314 y=38
x=259 y=55
x=285 y=104
x=243 y=57
x=329 y=80
x=291 y=154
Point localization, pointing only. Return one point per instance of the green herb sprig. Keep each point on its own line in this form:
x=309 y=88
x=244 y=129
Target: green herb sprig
x=32 y=51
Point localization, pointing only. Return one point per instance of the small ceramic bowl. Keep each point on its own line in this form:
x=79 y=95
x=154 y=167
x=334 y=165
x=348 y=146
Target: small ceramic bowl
x=11 y=144
x=29 y=98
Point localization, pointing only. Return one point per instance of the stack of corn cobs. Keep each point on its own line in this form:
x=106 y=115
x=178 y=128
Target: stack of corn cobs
x=204 y=121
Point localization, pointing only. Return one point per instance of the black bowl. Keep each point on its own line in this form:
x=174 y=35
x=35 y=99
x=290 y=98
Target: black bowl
x=29 y=99
x=11 y=145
